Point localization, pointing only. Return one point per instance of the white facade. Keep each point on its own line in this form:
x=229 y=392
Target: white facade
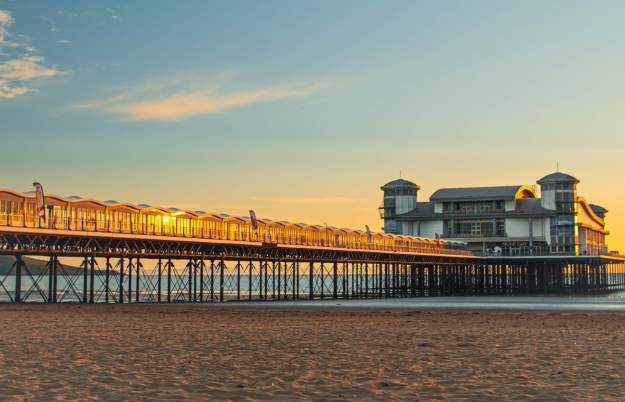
x=520 y=228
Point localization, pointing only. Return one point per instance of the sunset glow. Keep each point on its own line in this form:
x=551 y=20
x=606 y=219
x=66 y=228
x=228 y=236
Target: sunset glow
x=302 y=112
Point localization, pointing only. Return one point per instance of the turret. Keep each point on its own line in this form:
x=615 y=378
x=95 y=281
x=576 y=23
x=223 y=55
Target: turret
x=559 y=192
x=400 y=196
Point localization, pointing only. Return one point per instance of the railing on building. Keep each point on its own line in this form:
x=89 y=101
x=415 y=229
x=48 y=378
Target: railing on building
x=474 y=212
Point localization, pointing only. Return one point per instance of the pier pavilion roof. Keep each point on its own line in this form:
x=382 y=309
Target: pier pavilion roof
x=399 y=183
x=483 y=193
x=558 y=177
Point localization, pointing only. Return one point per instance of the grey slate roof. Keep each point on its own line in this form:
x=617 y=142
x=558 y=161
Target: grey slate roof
x=399 y=183
x=558 y=177
x=423 y=210
x=475 y=193
x=531 y=206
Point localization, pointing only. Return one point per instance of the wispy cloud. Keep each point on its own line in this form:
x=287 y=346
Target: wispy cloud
x=21 y=71
x=174 y=100
x=307 y=200
x=5 y=21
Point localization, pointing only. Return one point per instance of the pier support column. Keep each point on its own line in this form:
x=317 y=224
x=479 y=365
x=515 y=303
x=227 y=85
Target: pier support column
x=92 y=280
x=107 y=277
x=334 y=280
x=222 y=266
x=120 y=298
x=50 y=279
x=239 y=280
x=169 y=264
x=130 y=266
x=18 y=278
x=202 y=279
x=310 y=280
x=85 y=276
x=159 y=284
x=138 y=281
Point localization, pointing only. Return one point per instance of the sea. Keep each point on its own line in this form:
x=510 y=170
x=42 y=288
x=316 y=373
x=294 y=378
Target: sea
x=70 y=289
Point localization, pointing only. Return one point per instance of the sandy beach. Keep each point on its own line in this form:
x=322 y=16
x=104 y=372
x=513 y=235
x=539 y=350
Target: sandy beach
x=151 y=352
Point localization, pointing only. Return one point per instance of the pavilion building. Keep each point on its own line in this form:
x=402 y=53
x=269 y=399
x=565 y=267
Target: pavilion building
x=508 y=220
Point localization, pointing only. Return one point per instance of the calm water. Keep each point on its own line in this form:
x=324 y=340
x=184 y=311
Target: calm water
x=613 y=302
x=73 y=292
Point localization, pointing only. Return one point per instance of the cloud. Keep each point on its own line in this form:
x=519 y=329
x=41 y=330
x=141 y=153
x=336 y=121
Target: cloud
x=5 y=21
x=63 y=41
x=25 y=69
x=20 y=70
x=174 y=100
x=307 y=200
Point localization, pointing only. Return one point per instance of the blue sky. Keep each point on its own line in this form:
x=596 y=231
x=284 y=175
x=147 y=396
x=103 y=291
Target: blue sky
x=302 y=110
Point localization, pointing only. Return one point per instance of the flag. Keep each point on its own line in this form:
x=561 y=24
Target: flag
x=40 y=200
x=254 y=221
x=369 y=235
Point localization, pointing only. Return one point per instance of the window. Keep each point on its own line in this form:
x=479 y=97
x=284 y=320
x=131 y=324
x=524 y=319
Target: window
x=476 y=229
x=468 y=208
x=501 y=228
x=450 y=228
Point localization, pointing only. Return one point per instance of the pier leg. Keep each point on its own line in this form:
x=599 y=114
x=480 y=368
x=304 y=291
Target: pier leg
x=195 y=268
x=191 y=267
x=298 y=278
x=322 y=280
x=295 y=287
x=92 y=281
x=238 y=280
x=120 y=299
x=138 y=284
x=334 y=280
x=50 y=280
x=159 y=281
x=366 y=280
x=55 y=278
x=130 y=266
x=285 y=292
x=85 y=276
x=107 y=274
x=18 y=278
x=266 y=284
x=169 y=264
x=273 y=279
x=212 y=281
x=250 y=267
x=310 y=281
x=202 y=280
x=279 y=279
x=222 y=266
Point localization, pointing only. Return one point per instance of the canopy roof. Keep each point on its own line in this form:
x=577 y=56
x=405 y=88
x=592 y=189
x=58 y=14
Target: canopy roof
x=113 y=205
x=558 y=177
x=399 y=183
x=483 y=193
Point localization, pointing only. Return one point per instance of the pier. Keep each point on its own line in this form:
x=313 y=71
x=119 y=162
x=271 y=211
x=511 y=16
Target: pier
x=90 y=252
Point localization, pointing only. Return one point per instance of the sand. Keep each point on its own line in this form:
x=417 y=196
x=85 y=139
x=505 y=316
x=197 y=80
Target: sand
x=151 y=352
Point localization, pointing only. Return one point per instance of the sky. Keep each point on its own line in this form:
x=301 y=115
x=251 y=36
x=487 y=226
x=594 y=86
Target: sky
x=302 y=110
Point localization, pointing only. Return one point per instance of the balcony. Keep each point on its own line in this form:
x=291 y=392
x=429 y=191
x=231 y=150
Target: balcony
x=481 y=212
x=473 y=235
